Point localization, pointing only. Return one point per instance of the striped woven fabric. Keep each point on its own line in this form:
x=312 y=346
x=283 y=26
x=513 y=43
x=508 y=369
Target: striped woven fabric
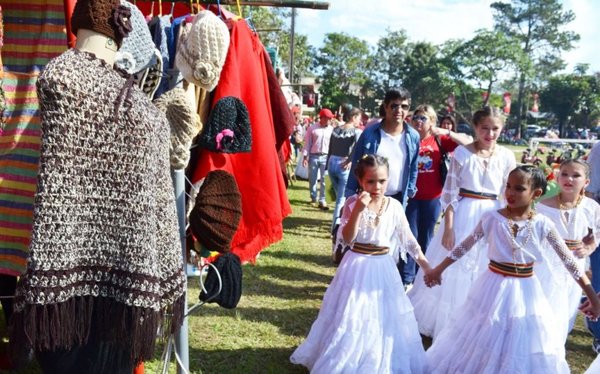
x=573 y=244
x=34 y=32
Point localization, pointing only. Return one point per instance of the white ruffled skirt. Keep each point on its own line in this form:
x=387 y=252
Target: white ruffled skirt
x=506 y=326
x=366 y=322
x=434 y=306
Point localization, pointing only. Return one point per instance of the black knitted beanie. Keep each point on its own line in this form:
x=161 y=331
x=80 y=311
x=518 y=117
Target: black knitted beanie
x=228 y=127
x=230 y=270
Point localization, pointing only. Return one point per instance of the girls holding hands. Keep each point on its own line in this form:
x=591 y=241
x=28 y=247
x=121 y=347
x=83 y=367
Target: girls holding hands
x=476 y=178
x=507 y=324
x=366 y=322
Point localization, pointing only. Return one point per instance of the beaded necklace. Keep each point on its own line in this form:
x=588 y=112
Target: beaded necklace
x=566 y=217
x=513 y=230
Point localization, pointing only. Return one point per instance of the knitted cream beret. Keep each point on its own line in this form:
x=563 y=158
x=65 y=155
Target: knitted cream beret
x=137 y=51
x=185 y=124
x=107 y=17
x=202 y=54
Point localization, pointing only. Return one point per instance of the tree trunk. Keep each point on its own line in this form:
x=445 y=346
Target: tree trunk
x=520 y=126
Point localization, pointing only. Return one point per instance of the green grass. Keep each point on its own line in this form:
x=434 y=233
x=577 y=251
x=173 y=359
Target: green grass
x=281 y=298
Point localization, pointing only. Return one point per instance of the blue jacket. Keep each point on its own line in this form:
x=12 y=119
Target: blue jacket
x=369 y=142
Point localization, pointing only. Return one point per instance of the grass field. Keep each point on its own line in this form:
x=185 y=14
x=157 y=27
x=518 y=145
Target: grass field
x=281 y=298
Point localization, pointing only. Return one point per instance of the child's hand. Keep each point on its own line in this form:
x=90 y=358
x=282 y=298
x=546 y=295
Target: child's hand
x=433 y=277
x=364 y=198
x=585 y=249
x=590 y=309
x=448 y=239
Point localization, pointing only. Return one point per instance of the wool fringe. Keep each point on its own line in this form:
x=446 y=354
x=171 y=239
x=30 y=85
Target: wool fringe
x=72 y=323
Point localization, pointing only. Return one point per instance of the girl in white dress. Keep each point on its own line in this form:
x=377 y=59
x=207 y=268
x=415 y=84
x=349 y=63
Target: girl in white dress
x=366 y=322
x=475 y=180
x=507 y=324
x=577 y=220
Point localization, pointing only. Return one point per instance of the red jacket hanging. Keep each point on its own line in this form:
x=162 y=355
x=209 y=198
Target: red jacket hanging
x=258 y=174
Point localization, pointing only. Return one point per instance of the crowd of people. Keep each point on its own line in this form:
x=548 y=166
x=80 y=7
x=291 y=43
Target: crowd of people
x=471 y=284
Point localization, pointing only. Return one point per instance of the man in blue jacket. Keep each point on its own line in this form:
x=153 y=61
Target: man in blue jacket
x=396 y=140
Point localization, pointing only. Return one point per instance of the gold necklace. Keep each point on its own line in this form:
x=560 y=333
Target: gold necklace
x=484 y=162
x=513 y=230
x=378 y=214
x=566 y=217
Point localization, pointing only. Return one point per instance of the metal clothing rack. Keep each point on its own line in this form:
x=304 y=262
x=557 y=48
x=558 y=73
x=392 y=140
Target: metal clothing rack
x=180 y=341
x=321 y=5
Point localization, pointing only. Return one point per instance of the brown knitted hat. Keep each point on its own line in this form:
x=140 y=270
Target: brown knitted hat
x=107 y=17
x=217 y=213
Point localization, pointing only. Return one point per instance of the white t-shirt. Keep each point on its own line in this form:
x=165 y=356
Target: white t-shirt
x=393 y=148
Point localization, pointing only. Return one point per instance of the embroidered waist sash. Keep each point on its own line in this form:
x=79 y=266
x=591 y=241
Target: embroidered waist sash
x=572 y=244
x=369 y=249
x=477 y=195
x=511 y=270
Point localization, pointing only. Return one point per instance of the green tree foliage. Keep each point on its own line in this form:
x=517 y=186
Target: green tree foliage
x=485 y=58
x=343 y=62
x=273 y=27
x=424 y=74
x=537 y=26
x=572 y=96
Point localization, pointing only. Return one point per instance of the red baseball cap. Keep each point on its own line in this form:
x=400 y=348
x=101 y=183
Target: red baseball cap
x=326 y=113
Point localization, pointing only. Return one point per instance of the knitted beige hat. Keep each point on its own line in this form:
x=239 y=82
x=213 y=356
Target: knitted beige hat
x=185 y=124
x=202 y=54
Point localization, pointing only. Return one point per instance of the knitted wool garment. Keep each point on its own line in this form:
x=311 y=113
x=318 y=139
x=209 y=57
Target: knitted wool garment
x=217 y=212
x=228 y=127
x=106 y=17
x=137 y=51
x=185 y=124
x=105 y=254
x=230 y=273
x=202 y=54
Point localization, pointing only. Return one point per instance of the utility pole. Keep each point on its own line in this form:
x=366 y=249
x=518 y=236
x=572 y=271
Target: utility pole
x=293 y=31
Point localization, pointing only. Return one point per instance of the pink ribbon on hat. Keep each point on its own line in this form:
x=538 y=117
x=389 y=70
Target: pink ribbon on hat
x=221 y=135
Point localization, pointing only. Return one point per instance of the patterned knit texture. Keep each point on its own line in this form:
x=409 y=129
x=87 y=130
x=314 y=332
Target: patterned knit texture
x=185 y=124
x=228 y=114
x=105 y=250
x=34 y=32
x=137 y=51
x=217 y=211
x=99 y=16
x=202 y=54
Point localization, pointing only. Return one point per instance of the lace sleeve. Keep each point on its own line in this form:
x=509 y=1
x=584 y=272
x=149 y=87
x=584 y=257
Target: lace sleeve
x=468 y=243
x=408 y=242
x=565 y=255
x=451 y=188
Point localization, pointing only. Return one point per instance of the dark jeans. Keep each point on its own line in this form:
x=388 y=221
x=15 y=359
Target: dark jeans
x=594 y=327
x=422 y=216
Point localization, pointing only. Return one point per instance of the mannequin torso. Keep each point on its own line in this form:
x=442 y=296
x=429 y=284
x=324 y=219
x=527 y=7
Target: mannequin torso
x=100 y=45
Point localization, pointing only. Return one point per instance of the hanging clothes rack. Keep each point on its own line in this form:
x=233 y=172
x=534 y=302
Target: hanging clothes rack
x=180 y=343
x=321 y=5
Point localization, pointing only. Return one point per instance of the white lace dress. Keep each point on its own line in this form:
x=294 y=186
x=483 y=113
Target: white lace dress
x=366 y=322
x=433 y=306
x=560 y=288
x=507 y=324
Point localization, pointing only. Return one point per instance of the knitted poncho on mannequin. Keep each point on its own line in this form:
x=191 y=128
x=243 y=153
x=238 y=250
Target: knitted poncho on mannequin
x=105 y=255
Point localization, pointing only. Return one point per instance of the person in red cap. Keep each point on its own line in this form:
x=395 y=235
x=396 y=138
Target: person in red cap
x=316 y=148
